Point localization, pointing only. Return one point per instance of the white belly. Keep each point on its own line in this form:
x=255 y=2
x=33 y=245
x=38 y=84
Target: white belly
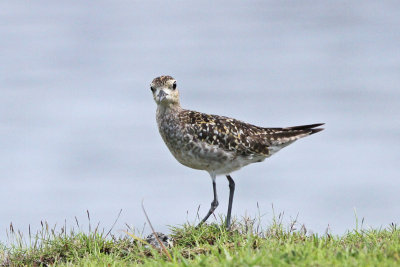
x=213 y=159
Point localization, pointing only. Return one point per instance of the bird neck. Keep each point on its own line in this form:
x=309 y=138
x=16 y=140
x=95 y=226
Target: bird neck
x=168 y=108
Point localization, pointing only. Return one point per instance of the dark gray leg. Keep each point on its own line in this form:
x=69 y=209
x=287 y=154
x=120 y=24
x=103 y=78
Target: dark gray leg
x=231 y=192
x=214 y=203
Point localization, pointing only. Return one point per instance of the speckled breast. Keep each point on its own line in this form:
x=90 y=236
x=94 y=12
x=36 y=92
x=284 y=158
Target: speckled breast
x=189 y=151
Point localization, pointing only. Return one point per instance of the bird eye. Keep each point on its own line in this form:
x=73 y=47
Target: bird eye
x=174 y=85
x=152 y=89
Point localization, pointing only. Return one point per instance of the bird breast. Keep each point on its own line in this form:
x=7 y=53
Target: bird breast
x=197 y=154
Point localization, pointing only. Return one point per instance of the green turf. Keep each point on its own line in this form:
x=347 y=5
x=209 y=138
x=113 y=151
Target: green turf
x=247 y=244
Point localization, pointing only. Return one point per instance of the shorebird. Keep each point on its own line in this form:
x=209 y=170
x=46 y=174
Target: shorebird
x=216 y=144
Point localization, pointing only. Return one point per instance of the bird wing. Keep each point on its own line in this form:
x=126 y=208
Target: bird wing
x=240 y=137
x=227 y=133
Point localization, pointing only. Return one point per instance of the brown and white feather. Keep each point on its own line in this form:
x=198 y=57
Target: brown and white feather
x=217 y=144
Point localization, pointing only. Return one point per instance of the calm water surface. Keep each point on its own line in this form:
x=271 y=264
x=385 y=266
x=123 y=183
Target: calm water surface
x=77 y=119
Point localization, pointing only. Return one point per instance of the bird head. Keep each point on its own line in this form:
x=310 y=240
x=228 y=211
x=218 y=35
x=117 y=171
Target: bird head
x=165 y=91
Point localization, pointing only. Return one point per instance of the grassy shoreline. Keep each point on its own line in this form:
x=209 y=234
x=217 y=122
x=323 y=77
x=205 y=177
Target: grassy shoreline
x=210 y=245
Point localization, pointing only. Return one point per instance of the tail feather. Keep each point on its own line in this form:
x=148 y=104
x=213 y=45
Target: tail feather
x=305 y=127
x=313 y=131
x=278 y=138
x=290 y=134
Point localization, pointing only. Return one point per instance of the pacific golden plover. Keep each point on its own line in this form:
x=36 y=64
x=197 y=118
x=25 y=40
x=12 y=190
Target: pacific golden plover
x=216 y=144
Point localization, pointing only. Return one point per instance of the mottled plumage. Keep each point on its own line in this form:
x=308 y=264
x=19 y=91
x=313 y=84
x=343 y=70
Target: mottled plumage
x=242 y=138
x=216 y=144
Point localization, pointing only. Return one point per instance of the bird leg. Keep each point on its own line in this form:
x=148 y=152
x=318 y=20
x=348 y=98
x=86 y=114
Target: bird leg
x=214 y=203
x=231 y=192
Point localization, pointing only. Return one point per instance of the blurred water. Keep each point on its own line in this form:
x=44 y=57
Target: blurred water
x=77 y=120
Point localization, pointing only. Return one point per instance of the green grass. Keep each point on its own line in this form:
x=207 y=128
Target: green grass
x=209 y=245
